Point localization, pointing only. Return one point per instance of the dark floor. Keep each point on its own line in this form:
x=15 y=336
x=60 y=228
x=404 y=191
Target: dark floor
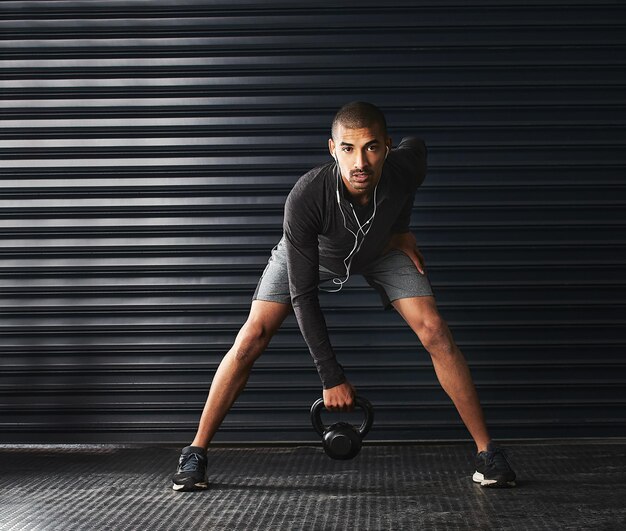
x=562 y=485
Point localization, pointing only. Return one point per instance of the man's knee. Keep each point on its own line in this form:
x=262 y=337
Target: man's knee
x=434 y=334
x=251 y=341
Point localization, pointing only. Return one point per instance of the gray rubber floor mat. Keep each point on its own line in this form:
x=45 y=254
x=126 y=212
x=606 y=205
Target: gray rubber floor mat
x=575 y=485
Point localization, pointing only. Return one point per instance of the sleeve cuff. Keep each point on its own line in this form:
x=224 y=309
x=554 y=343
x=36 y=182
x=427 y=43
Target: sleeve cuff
x=331 y=373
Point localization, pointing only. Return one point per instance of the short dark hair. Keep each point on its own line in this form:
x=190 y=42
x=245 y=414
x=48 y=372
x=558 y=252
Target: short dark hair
x=358 y=114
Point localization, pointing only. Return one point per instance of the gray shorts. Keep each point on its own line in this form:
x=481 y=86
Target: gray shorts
x=393 y=276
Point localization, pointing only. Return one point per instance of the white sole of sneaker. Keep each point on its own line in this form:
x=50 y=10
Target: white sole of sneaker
x=479 y=478
x=195 y=486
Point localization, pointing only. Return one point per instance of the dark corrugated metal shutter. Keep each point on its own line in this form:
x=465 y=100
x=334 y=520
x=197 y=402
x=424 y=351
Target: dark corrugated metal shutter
x=148 y=148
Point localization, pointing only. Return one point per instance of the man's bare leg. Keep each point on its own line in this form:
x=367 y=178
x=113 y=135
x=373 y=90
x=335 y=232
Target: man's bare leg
x=232 y=374
x=422 y=316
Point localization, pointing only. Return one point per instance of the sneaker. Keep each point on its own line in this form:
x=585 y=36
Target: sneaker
x=191 y=473
x=493 y=469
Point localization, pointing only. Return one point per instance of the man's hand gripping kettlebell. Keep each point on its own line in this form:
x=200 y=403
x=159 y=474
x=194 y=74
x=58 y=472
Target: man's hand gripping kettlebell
x=340 y=397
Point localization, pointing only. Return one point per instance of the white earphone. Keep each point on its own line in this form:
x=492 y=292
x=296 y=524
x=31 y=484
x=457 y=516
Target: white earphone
x=347 y=261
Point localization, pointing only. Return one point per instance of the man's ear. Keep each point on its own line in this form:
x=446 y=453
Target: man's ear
x=331 y=147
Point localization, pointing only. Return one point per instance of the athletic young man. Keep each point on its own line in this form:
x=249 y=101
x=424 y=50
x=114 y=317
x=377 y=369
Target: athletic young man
x=348 y=216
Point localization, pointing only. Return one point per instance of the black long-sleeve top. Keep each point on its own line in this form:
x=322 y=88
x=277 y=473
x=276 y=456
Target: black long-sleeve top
x=315 y=234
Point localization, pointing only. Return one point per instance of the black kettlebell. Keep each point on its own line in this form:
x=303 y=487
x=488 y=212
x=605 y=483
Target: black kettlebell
x=342 y=440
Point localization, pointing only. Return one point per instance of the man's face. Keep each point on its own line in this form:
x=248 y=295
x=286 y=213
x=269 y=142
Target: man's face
x=360 y=155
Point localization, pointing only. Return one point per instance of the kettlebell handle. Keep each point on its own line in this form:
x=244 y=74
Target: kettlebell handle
x=363 y=403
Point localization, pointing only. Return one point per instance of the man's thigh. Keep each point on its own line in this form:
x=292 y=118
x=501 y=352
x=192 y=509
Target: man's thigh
x=394 y=276
x=418 y=311
x=273 y=286
x=267 y=316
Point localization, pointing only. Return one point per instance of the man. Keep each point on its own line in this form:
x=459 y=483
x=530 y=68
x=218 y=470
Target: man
x=348 y=216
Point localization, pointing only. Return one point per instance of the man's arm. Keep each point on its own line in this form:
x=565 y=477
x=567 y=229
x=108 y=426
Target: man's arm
x=301 y=227
x=407 y=243
x=414 y=162
x=410 y=158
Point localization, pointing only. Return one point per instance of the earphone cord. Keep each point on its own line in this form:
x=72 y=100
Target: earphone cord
x=357 y=246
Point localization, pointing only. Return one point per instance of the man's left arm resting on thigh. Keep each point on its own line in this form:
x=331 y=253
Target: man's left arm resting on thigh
x=406 y=242
x=413 y=165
